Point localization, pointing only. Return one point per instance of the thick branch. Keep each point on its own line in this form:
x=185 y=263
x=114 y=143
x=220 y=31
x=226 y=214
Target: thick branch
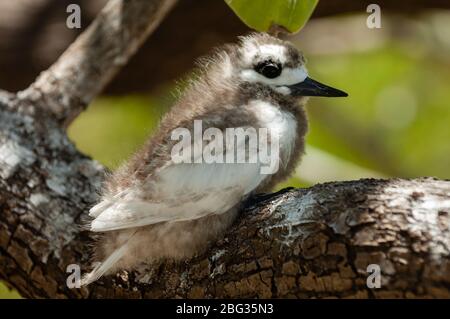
x=303 y=243
x=85 y=68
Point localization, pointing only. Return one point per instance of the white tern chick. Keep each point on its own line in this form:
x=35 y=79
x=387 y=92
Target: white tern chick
x=156 y=207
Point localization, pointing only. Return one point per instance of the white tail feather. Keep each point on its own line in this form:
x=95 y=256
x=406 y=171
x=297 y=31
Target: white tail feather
x=105 y=204
x=100 y=269
x=100 y=207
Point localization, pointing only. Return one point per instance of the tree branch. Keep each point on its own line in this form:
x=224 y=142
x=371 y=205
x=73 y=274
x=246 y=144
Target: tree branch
x=85 y=68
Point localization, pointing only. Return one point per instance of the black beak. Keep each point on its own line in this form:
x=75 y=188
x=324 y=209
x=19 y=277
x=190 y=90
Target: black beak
x=310 y=87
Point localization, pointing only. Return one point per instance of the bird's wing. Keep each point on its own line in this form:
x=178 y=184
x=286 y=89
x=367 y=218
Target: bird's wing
x=184 y=191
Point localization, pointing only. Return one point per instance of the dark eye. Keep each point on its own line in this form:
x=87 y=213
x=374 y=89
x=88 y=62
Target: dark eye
x=269 y=69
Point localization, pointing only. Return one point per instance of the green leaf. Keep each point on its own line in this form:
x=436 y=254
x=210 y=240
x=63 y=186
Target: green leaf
x=262 y=14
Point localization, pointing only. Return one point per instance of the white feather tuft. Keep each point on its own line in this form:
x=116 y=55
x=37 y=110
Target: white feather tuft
x=105 y=265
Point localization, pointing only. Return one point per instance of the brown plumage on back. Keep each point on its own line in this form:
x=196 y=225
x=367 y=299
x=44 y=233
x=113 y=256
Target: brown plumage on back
x=171 y=200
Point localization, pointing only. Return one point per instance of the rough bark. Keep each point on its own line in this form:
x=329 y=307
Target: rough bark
x=33 y=35
x=301 y=243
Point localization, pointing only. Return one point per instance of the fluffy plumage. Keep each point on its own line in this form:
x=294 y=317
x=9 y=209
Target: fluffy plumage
x=153 y=208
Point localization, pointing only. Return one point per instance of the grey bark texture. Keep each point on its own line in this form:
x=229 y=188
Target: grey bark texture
x=301 y=243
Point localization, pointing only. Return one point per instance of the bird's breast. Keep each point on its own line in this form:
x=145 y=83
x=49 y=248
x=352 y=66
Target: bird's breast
x=280 y=124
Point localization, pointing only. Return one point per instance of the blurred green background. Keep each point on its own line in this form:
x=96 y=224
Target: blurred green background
x=395 y=122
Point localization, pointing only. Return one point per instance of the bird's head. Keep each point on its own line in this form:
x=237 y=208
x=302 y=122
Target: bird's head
x=266 y=61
